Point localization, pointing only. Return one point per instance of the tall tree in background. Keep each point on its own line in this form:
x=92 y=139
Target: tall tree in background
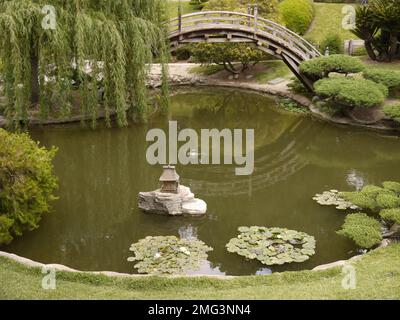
x=98 y=46
x=378 y=24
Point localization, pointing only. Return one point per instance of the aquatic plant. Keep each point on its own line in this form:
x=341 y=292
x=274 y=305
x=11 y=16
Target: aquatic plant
x=272 y=246
x=168 y=255
x=332 y=198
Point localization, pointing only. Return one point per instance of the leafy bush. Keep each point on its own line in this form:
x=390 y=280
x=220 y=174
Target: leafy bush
x=351 y=92
x=333 y=42
x=362 y=229
x=297 y=14
x=226 y=54
x=392 y=215
x=375 y=198
x=389 y=78
x=392 y=111
x=27 y=184
x=321 y=67
x=393 y=186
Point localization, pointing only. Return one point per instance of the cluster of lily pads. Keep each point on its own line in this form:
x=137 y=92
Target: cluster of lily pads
x=333 y=198
x=168 y=255
x=272 y=246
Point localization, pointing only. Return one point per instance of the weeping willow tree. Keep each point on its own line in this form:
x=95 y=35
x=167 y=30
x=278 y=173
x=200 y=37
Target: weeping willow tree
x=96 y=56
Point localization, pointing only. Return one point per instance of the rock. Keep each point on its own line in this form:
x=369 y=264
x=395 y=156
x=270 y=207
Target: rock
x=336 y=264
x=230 y=77
x=249 y=77
x=173 y=204
x=194 y=207
x=236 y=76
x=3 y=122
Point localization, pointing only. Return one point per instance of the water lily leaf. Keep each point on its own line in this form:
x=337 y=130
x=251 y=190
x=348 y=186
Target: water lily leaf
x=168 y=255
x=272 y=246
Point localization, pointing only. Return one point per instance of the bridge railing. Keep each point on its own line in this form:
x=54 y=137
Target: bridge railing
x=237 y=21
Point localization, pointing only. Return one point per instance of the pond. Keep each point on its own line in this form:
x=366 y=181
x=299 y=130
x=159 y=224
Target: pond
x=102 y=171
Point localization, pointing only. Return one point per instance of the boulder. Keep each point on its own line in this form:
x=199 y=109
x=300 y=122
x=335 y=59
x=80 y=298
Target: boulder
x=194 y=207
x=173 y=204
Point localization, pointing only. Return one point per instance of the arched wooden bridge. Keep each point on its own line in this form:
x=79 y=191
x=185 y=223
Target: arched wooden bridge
x=227 y=26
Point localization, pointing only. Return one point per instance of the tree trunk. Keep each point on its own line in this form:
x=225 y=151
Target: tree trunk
x=393 y=45
x=370 y=50
x=34 y=79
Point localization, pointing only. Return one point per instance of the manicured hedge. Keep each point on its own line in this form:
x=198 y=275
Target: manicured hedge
x=351 y=92
x=362 y=229
x=321 y=67
x=389 y=78
x=297 y=14
x=392 y=111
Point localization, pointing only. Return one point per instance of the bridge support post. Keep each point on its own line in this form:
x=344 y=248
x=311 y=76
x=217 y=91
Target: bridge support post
x=255 y=19
x=180 y=17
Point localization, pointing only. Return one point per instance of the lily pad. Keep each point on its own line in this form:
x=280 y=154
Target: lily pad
x=168 y=255
x=272 y=246
x=332 y=198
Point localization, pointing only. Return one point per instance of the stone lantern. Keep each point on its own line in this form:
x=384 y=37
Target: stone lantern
x=169 y=180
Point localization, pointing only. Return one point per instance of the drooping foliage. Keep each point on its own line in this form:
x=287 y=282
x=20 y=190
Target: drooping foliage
x=378 y=24
x=27 y=184
x=99 y=48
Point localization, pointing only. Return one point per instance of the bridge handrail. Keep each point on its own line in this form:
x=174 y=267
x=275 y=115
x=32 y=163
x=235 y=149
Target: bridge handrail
x=305 y=46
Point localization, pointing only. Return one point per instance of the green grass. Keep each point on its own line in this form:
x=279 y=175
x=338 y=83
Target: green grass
x=328 y=20
x=276 y=69
x=172 y=8
x=207 y=70
x=378 y=276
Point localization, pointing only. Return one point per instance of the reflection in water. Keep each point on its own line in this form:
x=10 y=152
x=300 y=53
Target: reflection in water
x=101 y=172
x=356 y=180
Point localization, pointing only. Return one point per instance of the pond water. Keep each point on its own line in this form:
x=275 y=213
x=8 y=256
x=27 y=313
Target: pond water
x=101 y=173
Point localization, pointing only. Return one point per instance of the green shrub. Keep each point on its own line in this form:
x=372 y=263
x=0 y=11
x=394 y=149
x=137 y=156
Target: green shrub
x=389 y=78
x=322 y=66
x=297 y=15
x=372 y=191
x=361 y=200
x=392 y=111
x=27 y=184
x=362 y=229
x=298 y=87
x=226 y=55
x=351 y=92
x=388 y=200
x=182 y=53
x=392 y=215
x=333 y=42
x=393 y=186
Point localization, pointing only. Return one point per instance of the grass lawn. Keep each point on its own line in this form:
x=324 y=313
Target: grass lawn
x=172 y=8
x=276 y=69
x=328 y=20
x=378 y=277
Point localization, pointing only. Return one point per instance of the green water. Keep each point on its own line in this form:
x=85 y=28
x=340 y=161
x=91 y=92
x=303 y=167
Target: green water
x=102 y=171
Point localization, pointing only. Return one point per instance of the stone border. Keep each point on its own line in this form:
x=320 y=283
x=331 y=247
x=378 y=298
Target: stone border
x=62 y=268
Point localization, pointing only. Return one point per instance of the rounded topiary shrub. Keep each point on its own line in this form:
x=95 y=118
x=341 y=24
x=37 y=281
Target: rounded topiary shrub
x=351 y=92
x=297 y=15
x=322 y=66
x=389 y=78
x=27 y=184
x=392 y=111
